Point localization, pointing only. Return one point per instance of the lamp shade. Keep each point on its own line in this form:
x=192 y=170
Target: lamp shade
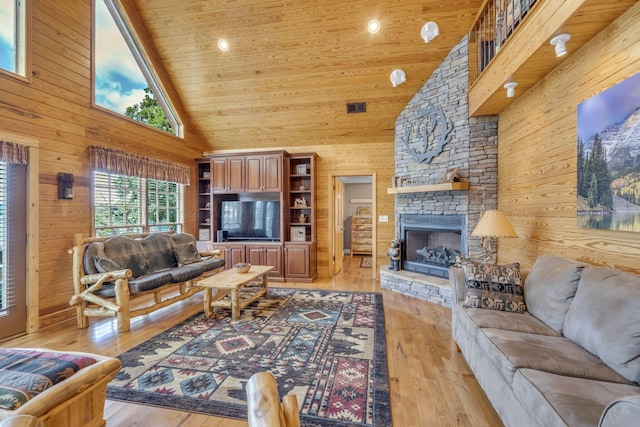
x=494 y=223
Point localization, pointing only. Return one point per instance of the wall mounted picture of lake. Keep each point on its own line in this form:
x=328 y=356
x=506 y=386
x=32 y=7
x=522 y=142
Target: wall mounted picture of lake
x=609 y=158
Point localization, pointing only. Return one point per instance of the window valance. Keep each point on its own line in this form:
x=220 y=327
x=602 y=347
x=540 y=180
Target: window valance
x=11 y=152
x=118 y=162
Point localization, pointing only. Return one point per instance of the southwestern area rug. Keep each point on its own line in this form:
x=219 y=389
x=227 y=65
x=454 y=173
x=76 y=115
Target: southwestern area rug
x=327 y=347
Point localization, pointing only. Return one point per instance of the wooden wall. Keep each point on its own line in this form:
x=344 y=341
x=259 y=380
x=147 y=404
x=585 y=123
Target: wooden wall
x=55 y=109
x=537 y=155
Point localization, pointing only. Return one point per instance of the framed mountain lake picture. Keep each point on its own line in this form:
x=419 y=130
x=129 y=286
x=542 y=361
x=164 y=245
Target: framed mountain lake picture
x=609 y=158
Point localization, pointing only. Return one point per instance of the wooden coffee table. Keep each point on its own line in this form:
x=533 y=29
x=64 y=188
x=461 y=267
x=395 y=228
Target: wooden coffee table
x=228 y=285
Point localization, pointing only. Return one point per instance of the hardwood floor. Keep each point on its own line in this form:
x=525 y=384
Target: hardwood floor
x=430 y=383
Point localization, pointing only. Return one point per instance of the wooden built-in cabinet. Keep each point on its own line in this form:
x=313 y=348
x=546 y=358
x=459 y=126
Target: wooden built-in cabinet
x=276 y=175
x=266 y=254
x=228 y=174
x=264 y=172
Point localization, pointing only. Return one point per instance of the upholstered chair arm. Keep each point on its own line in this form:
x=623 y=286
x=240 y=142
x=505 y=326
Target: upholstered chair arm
x=624 y=411
x=456 y=280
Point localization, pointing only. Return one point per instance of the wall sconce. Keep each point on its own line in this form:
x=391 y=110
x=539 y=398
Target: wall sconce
x=397 y=77
x=430 y=31
x=492 y=224
x=511 y=89
x=65 y=185
x=559 y=42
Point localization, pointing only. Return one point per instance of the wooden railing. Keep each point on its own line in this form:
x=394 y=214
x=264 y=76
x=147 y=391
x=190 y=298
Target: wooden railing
x=495 y=24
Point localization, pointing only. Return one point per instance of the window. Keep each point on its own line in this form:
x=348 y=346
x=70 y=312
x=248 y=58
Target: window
x=123 y=81
x=13 y=36
x=127 y=204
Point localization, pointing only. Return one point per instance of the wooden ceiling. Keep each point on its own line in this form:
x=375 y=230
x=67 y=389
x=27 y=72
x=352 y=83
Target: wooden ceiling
x=294 y=64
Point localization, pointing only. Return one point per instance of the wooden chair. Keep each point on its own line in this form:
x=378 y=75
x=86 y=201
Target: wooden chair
x=263 y=403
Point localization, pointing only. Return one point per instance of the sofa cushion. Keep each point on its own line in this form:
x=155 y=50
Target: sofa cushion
x=150 y=281
x=604 y=318
x=209 y=264
x=185 y=272
x=105 y=265
x=128 y=253
x=556 y=400
x=186 y=253
x=550 y=288
x=157 y=249
x=495 y=287
x=510 y=351
x=505 y=320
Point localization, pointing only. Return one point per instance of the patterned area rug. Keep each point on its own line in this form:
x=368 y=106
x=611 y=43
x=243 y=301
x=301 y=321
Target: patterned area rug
x=328 y=347
x=366 y=262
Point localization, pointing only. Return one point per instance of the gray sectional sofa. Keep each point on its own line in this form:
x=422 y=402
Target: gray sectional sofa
x=571 y=359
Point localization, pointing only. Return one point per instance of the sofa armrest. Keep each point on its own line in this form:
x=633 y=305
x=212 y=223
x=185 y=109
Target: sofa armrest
x=456 y=280
x=624 y=411
x=21 y=421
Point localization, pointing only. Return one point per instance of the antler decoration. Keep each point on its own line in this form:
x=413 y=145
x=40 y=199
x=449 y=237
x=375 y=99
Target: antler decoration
x=424 y=128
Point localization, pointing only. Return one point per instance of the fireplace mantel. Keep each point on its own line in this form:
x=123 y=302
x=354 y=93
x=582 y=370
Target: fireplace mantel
x=444 y=186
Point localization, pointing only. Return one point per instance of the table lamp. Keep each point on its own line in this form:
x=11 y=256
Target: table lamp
x=492 y=224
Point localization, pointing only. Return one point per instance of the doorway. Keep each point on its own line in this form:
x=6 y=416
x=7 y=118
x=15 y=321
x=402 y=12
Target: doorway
x=353 y=201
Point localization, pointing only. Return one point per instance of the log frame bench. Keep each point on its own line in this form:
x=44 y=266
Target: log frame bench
x=109 y=293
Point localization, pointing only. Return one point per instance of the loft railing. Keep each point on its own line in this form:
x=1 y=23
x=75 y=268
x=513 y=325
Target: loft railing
x=495 y=24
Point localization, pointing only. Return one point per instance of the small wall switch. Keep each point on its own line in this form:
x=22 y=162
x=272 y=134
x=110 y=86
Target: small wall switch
x=383 y=218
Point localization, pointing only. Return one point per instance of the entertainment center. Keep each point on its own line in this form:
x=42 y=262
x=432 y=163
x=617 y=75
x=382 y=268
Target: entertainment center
x=260 y=208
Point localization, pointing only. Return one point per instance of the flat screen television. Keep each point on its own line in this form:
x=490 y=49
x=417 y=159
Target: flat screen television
x=250 y=220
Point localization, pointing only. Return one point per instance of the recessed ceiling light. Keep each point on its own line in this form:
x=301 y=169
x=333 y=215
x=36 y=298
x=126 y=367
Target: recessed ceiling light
x=223 y=45
x=373 y=26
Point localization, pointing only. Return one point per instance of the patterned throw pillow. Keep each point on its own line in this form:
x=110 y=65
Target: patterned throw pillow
x=494 y=287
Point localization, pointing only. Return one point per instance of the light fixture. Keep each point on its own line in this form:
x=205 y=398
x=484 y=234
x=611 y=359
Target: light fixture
x=492 y=224
x=373 y=26
x=511 y=89
x=223 y=45
x=429 y=31
x=397 y=77
x=559 y=42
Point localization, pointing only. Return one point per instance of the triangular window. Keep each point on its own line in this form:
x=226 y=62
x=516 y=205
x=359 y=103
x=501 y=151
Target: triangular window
x=123 y=80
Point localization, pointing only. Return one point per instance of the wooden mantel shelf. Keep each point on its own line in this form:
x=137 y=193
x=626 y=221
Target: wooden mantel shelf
x=445 y=186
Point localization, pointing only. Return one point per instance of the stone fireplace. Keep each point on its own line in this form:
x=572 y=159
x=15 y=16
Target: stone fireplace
x=439 y=220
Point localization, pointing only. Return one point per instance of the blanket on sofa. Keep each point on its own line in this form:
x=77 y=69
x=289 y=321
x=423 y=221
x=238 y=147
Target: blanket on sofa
x=26 y=373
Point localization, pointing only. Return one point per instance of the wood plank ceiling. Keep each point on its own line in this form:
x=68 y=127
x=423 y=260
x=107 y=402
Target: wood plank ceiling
x=293 y=64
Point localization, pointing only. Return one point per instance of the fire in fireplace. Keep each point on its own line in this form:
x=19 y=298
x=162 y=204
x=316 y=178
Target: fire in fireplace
x=431 y=243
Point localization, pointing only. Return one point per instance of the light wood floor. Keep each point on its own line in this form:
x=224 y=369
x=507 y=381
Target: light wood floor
x=430 y=384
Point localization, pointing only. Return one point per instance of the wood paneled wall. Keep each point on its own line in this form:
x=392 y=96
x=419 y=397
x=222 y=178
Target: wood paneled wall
x=537 y=155
x=55 y=109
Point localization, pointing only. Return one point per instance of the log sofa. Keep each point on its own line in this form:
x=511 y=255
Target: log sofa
x=108 y=273
x=562 y=350
x=43 y=387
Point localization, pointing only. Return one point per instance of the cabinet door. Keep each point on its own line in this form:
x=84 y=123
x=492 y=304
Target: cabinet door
x=254 y=173
x=219 y=175
x=235 y=255
x=255 y=255
x=296 y=261
x=272 y=172
x=235 y=174
x=273 y=257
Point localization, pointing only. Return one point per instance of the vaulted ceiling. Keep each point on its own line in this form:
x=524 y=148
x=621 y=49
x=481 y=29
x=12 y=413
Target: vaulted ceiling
x=294 y=64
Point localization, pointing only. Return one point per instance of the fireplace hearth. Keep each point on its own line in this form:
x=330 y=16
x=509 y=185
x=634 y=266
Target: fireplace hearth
x=431 y=243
